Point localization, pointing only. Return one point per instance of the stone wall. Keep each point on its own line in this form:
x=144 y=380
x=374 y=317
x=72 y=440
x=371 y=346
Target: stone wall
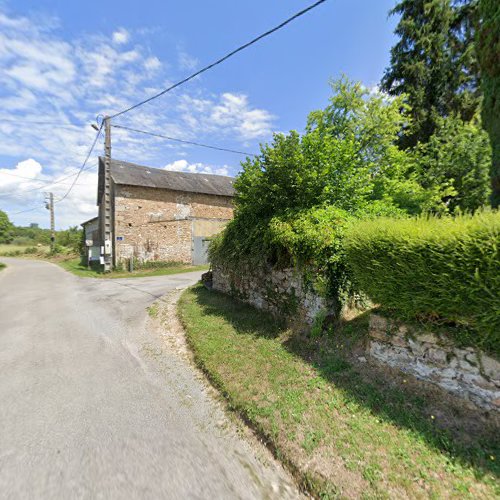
x=465 y=372
x=158 y=224
x=285 y=293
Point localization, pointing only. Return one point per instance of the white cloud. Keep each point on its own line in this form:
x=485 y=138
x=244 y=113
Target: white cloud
x=24 y=99
x=196 y=168
x=230 y=113
x=27 y=181
x=44 y=78
x=121 y=36
x=186 y=61
x=152 y=63
x=19 y=176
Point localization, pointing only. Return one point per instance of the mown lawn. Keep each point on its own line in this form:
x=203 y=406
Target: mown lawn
x=74 y=266
x=341 y=431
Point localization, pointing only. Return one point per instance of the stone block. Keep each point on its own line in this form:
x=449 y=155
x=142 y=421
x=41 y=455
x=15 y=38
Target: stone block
x=398 y=341
x=417 y=347
x=453 y=386
x=380 y=335
x=448 y=373
x=402 y=331
x=378 y=322
x=437 y=356
x=466 y=367
x=490 y=367
x=423 y=370
x=427 y=338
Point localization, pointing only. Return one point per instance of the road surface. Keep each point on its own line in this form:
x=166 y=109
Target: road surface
x=94 y=405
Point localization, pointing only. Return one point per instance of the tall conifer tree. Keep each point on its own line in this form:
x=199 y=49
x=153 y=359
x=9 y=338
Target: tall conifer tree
x=433 y=63
x=488 y=49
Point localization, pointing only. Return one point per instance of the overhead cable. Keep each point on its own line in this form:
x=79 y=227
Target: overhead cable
x=83 y=165
x=28 y=210
x=154 y=134
x=222 y=59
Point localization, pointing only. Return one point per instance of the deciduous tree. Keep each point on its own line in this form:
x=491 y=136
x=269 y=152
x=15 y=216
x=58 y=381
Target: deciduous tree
x=5 y=228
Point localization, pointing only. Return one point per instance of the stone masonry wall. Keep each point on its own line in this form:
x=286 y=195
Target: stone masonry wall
x=284 y=293
x=467 y=373
x=157 y=224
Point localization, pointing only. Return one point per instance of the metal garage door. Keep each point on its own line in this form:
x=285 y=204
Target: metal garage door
x=200 y=247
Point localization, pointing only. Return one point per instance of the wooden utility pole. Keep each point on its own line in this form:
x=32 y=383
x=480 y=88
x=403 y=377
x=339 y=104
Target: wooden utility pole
x=49 y=205
x=108 y=232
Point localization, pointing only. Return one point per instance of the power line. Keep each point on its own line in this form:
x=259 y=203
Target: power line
x=23 y=177
x=183 y=141
x=28 y=210
x=222 y=59
x=83 y=164
x=37 y=122
x=47 y=183
x=172 y=87
x=82 y=169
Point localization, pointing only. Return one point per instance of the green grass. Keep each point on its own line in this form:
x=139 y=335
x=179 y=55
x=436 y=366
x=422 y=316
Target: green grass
x=342 y=429
x=2 y=266
x=17 y=250
x=74 y=266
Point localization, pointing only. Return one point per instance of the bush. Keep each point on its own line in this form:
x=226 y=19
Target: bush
x=12 y=253
x=446 y=270
x=5 y=228
x=21 y=241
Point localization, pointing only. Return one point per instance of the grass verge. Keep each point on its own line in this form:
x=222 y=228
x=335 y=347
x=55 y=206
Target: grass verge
x=74 y=266
x=9 y=250
x=342 y=428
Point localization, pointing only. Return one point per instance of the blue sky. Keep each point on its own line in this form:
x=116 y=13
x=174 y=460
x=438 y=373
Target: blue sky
x=65 y=62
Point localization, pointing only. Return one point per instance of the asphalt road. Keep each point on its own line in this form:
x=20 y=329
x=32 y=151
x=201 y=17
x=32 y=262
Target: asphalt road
x=93 y=404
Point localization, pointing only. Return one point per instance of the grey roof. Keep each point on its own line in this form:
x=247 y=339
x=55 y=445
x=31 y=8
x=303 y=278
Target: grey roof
x=89 y=221
x=131 y=174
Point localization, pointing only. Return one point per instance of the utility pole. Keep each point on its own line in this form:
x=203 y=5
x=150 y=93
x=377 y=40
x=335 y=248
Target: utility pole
x=49 y=205
x=108 y=232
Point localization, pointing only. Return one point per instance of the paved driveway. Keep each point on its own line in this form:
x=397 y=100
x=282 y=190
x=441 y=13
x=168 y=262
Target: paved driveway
x=93 y=403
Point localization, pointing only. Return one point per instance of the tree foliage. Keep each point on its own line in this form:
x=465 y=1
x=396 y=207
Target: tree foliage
x=71 y=238
x=455 y=162
x=488 y=48
x=293 y=201
x=5 y=228
x=347 y=158
x=434 y=63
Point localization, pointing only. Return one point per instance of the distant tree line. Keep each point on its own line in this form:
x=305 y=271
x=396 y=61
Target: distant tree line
x=32 y=235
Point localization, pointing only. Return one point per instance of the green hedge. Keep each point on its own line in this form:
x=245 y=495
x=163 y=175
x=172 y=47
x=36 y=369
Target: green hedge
x=443 y=270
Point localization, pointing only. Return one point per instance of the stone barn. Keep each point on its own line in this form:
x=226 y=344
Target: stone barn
x=159 y=215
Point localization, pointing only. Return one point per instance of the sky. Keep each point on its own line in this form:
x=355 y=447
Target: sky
x=64 y=63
